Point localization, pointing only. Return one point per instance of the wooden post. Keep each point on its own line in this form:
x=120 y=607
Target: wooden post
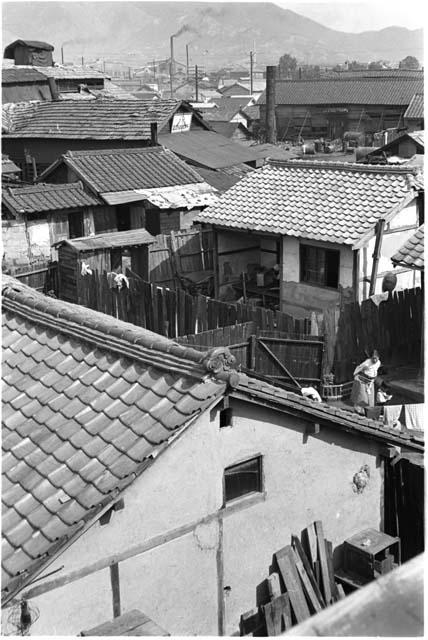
x=270 y=104
x=376 y=255
x=115 y=589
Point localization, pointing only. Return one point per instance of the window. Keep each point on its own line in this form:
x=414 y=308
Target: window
x=319 y=266
x=75 y=225
x=243 y=478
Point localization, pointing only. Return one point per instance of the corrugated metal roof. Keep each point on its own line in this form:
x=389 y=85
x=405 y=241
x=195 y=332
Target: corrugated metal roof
x=415 y=110
x=331 y=202
x=96 y=120
x=133 y=237
x=39 y=198
x=223 y=179
x=185 y=196
x=124 y=169
x=361 y=91
x=411 y=254
x=87 y=400
x=207 y=148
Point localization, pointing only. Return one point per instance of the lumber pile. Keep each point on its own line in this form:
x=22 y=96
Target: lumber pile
x=302 y=585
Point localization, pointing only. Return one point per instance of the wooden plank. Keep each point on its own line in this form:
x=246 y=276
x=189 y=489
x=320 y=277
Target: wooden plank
x=278 y=615
x=325 y=576
x=278 y=362
x=287 y=568
x=308 y=568
x=251 y=622
x=115 y=589
x=340 y=591
x=274 y=586
x=310 y=541
x=329 y=554
x=307 y=586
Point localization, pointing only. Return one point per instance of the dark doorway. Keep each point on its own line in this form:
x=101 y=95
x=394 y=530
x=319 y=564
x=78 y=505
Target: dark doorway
x=153 y=222
x=123 y=214
x=404 y=505
x=75 y=225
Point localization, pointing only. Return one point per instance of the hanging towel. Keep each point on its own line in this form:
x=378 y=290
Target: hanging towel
x=414 y=416
x=391 y=413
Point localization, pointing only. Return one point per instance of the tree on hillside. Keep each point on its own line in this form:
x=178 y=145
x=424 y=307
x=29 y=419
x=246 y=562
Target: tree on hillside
x=287 y=64
x=409 y=62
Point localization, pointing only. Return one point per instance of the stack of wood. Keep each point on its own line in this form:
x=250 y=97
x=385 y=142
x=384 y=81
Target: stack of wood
x=303 y=585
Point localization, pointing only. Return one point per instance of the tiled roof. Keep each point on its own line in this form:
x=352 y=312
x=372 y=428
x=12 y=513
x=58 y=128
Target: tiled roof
x=71 y=72
x=411 y=254
x=363 y=91
x=39 y=198
x=223 y=179
x=415 y=110
x=122 y=169
x=7 y=166
x=224 y=113
x=96 y=119
x=418 y=136
x=276 y=397
x=332 y=202
x=88 y=402
x=231 y=103
x=23 y=74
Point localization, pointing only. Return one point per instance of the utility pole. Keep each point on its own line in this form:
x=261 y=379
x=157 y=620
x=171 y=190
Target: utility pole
x=270 y=104
x=187 y=62
x=196 y=84
x=154 y=70
x=251 y=72
x=62 y=54
x=83 y=62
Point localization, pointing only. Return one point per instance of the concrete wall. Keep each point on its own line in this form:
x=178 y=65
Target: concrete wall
x=299 y=297
x=15 y=243
x=178 y=580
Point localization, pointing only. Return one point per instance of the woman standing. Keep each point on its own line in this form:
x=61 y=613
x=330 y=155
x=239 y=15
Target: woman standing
x=363 y=391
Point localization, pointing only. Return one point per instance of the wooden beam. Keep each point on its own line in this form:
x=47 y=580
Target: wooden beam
x=325 y=576
x=304 y=558
x=115 y=589
x=376 y=255
x=279 y=363
x=278 y=615
x=307 y=585
x=287 y=567
x=274 y=586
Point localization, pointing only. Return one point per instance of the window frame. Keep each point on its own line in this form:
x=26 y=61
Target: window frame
x=302 y=248
x=254 y=492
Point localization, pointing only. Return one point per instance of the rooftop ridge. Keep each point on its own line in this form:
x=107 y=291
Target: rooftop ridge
x=45 y=186
x=117 y=336
x=367 y=78
x=347 y=166
x=108 y=152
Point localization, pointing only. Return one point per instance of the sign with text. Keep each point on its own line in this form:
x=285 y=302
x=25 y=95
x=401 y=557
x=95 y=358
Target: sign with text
x=181 y=122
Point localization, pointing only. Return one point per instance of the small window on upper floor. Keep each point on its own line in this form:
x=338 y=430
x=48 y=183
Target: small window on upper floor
x=243 y=478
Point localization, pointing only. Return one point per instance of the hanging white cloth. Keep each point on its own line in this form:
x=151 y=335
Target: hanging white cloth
x=414 y=414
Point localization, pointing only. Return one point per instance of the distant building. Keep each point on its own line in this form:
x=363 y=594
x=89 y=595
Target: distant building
x=329 y=108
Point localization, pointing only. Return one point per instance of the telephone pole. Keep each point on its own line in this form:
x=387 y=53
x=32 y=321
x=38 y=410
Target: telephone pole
x=251 y=72
x=196 y=84
x=187 y=62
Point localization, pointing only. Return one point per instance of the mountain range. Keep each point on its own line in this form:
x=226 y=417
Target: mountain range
x=218 y=34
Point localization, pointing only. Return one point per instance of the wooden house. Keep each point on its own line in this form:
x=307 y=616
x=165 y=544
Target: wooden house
x=330 y=227
x=330 y=107
x=109 y=252
x=403 y=147
x=36 y=217
x=24 y=84
x=39 y=133
x=30 y=52
x=142 y=474
x=148 y=187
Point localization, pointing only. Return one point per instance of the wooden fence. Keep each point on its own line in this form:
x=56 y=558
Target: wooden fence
x=173 y=256
x=176 y=313
x=282 y=357
x=394 y=328
x=42 y=277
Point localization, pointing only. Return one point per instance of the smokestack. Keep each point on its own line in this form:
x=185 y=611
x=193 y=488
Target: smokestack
x=154 y=134
x=171 y=40
x=270 y=105
x=53 y=89
x=62 y=55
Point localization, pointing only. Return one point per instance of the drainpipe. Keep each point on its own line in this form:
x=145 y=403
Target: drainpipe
x=270 y=105
x=376 y=255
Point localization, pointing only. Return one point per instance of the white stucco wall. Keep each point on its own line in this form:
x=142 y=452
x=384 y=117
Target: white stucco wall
x=177 y=583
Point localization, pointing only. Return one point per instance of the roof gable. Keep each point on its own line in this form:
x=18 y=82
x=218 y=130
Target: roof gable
x=88 y=402
x=331 y=202
x=123 y=169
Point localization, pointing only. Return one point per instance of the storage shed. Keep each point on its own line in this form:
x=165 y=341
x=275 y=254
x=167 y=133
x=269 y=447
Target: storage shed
x=30 y=52
x=110 y=252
